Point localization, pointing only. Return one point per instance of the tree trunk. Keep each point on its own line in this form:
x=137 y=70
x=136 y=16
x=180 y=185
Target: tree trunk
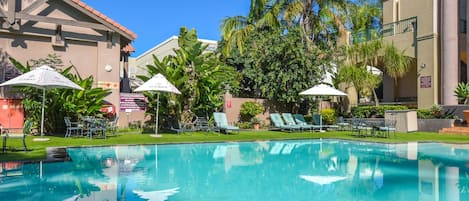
x=306 y=23
x=376 y=98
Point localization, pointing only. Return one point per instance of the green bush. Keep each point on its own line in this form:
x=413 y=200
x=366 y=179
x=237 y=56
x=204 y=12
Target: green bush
x=328 y=116
x=435 y=112
x=249 y=110
x=244 y=125
x=377 y=111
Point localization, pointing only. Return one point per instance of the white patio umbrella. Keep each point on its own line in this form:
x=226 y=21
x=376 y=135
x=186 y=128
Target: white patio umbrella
x=158 y=83
x=322 y=90
x=43 y=78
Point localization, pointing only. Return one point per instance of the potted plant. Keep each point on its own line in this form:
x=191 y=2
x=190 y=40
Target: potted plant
x=462 y=93
x=256 y=122
x=249 y=110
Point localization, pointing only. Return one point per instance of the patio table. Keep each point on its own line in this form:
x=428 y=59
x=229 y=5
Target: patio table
x=374 y=124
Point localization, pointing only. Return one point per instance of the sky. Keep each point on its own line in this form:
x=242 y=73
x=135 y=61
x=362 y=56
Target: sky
x=154 y=21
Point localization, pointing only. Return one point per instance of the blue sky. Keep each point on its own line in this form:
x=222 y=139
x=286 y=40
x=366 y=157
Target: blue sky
x=156 y=20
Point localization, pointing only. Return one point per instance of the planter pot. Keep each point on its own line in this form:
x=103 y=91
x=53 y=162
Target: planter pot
x=257 y=126
x=466 y=115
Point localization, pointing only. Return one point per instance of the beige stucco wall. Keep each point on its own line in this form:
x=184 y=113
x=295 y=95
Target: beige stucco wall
x=84 y=48
x=427 y=46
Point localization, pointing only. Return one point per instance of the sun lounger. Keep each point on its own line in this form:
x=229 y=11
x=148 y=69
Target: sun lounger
x=222 y=123
x=278 y=123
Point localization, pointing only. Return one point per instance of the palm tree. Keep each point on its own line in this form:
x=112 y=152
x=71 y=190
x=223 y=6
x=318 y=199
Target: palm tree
x=384 y=56
x=316 y=24
x=263 y=14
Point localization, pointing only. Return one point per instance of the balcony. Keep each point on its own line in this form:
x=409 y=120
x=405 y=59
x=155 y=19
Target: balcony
x=390 y=29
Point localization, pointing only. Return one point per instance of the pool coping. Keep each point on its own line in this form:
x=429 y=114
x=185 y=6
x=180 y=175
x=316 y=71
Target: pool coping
x=59 y=154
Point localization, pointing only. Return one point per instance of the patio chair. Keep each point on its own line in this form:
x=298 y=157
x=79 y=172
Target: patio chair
x=288 y=117
x=317 y=121
x=389 y=126
x=179 y=127
x=113 y=125
x=97 y=127
x=360 y=127
x=343 y=125
x=72 y=127
x=202 y=124
x=222 y=123
x=278 y=123
x=26 y=131
x=300 y=120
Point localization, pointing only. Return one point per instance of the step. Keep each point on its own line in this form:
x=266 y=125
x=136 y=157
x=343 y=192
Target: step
x=462 y=130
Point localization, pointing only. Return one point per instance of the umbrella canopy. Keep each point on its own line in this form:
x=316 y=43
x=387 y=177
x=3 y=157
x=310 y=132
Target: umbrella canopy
x=44 y=78
x=158 y=83
x=323 y=90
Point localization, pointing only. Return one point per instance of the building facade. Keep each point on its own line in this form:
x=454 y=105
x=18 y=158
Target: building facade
x=83 y=37
x=137 y=65
x=433 y=33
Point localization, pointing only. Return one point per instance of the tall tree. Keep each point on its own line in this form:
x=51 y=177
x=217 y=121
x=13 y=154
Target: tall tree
x=281 y=68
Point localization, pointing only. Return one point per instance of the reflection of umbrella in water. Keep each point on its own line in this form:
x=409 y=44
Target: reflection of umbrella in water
x=322 y=180
x=160 y=195
x=158 y=83
x=43 y=78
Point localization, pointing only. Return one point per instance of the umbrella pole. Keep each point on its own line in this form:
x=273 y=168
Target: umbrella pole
x=320 y=114
x=42 y=115
x=157 y=108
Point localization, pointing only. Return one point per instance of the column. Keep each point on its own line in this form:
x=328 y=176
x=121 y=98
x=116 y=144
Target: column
x=450 y=51
x=467 y=38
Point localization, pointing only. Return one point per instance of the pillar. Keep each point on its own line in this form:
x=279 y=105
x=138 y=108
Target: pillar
x=467 y=39
x=450 y=51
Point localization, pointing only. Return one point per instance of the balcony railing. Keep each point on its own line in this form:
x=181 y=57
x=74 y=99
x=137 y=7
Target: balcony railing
x=463 y=26
x=390 y=29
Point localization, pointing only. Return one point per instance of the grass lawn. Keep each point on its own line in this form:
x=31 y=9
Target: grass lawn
x=37 y=150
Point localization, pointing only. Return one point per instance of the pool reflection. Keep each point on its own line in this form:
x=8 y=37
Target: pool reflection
x=278 y=170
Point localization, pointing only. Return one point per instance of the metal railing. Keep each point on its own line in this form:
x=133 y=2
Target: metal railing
x=390 y=29
x=463 y=26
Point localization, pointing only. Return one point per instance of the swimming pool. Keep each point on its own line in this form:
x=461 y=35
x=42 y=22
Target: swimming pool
x=277 y=170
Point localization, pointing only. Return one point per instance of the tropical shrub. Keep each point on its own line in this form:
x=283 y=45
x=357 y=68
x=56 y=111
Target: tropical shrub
x=328 y=116
x=375 y=111
x=249 y=110
x=198 y=74
x=60 y=103
x=462 y=92
x=435 y=112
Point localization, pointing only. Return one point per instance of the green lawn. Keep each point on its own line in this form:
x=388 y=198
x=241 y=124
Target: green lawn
x=37 y=150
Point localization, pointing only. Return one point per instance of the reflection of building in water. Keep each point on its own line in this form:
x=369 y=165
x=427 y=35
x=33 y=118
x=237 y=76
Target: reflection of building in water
x=233 y=157
x=430 y=181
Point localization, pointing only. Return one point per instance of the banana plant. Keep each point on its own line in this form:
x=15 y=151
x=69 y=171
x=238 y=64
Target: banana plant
x=61 y=102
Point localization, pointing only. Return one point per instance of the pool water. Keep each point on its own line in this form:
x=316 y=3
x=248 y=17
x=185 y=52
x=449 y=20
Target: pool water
x=277 y=170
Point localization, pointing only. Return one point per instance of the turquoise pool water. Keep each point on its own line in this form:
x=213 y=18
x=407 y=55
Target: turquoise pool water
x=278 y=170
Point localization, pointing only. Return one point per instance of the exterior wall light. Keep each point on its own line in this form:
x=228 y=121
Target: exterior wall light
x=108 y=68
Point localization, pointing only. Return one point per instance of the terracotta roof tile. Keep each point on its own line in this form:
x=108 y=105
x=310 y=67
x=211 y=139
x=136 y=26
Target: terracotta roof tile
x=107 y=19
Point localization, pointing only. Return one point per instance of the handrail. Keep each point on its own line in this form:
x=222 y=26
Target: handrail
x=389 y=29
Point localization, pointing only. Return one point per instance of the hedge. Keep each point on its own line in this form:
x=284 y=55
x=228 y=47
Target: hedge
x=375 y=111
